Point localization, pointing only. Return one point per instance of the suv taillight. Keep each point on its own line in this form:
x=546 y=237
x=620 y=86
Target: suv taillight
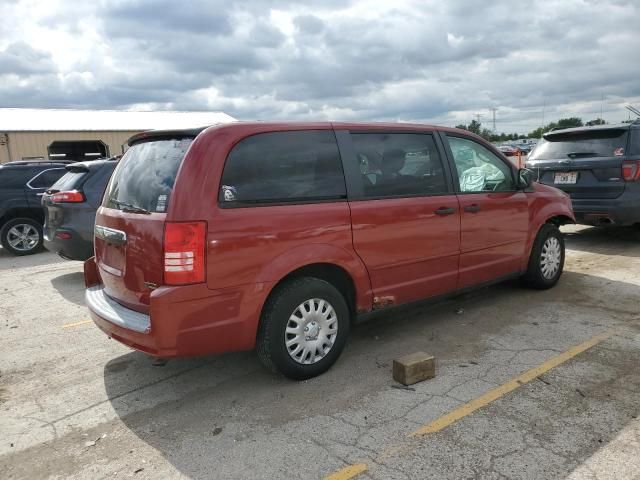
x=184 y=252
x=631 y=170
x=72 y=196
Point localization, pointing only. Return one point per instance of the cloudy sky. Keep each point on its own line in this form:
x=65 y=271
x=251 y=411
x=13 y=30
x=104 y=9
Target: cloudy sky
x=433 y=61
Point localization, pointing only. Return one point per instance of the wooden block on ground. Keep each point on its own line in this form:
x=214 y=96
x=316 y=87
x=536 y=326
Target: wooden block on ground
x=414 y=368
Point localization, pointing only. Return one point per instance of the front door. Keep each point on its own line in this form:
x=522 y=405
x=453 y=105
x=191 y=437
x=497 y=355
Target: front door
x=494 y=213
x=405 y=216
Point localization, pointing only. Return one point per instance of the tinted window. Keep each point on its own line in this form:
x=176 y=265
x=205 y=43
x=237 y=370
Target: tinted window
x=69 y=181
x=634 y=145
x=479 y=170
x=145 y=175
x=399 y=164
x=283 y=167
x=14 y=177
x=47 y=178
x=585 y=144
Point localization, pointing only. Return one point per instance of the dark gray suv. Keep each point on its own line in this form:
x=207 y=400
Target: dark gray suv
x=22 y=184
x=70 y=208
x=599 y=167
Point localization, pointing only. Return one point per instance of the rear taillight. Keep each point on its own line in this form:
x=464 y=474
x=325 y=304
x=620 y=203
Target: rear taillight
x=184 y=252
x=631 y=170
x=72 y=196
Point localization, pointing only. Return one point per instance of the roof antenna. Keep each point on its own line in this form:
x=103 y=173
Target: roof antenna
x=633 y=110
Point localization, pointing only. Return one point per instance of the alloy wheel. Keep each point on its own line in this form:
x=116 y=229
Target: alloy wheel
x=23 y=237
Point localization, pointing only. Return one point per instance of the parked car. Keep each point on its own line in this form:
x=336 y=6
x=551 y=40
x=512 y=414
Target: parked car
x=276 y=236
x=22 y=183
x=70 y=208
x=599 y=167
x=525 y=148
x=509 y=150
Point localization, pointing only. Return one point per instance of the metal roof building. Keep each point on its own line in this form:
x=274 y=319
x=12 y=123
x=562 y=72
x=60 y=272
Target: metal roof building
x=30 y=134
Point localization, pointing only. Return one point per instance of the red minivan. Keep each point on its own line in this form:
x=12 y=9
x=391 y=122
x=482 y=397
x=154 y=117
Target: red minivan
x=276 y=236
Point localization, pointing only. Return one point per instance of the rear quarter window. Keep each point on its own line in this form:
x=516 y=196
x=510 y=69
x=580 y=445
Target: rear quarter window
x=283 y=167
x=634 y=143
x=146 y=174
x=46 y=178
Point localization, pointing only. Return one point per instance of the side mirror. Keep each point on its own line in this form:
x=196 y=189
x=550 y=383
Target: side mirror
x=525 y=178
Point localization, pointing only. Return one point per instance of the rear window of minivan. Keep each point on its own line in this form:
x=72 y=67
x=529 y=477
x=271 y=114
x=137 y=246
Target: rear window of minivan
x=582 y=144
x=145 y=175
x=283 y=167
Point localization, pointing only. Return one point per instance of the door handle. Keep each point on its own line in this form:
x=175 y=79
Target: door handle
x=442 y=211
x=472 y=208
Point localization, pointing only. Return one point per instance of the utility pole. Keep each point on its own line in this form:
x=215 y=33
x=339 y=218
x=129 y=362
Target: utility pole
x=544 y=106
x=493 y=111
x=478 y=115
x=601 y=104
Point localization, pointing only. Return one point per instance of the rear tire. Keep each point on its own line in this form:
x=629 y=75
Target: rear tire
x=303 y=328
x=546 y=262
x=21 y=236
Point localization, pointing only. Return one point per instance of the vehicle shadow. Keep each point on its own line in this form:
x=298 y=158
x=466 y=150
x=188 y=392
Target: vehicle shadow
x=622 y=241
x=70 y=286
x=201 y=414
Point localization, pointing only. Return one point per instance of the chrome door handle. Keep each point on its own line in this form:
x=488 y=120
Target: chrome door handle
x=472 y=208
x=442 y=211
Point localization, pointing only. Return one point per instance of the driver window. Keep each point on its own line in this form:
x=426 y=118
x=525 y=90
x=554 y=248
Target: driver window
x=478 y=169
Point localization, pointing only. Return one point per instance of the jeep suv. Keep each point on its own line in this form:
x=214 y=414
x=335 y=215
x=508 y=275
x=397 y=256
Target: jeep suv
x=599 y=167
x=22 y=184
x=276 y=236
x=70 y=207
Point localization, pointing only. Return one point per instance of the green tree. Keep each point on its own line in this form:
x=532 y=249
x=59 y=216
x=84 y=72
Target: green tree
x=562 y=123
x=597 y=121
x=475 y=127
x=569 y=122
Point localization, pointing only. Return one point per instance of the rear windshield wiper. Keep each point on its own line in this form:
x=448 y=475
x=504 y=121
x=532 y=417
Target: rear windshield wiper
x=128 y=207
x=583 y=154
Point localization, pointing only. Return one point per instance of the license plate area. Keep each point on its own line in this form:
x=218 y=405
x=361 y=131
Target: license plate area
x=565 y=178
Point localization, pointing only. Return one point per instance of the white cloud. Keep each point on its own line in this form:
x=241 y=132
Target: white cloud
x=431 y=61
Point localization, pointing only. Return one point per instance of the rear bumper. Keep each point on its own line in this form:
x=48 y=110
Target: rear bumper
x=624 y=210
x=74 y=248
x=181 y=321
x=110 y=310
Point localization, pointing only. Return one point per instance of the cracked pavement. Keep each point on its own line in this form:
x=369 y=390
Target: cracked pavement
x=74 y=404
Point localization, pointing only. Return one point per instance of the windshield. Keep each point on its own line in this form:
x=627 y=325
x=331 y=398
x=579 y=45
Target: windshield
x=145 y=175
x=585 y=144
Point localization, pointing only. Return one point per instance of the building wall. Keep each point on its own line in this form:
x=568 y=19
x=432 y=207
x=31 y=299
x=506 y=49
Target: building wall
x=34 y=144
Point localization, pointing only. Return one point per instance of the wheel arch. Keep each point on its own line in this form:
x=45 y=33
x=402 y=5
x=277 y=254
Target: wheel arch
x=338 y=266
x=559 y=220
x=36 y=214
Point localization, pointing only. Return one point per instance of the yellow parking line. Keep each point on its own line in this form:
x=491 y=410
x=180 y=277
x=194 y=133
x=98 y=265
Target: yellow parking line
x=77 y=324
x=483 y=400
x=347 y=472
x=492 y=395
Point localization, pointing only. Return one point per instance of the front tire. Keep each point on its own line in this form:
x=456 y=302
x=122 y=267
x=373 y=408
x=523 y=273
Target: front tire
x=303 y=329
x=21 y=236
x=546 y=262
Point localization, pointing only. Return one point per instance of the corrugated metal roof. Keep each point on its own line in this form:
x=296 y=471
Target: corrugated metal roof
x=28 y=119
